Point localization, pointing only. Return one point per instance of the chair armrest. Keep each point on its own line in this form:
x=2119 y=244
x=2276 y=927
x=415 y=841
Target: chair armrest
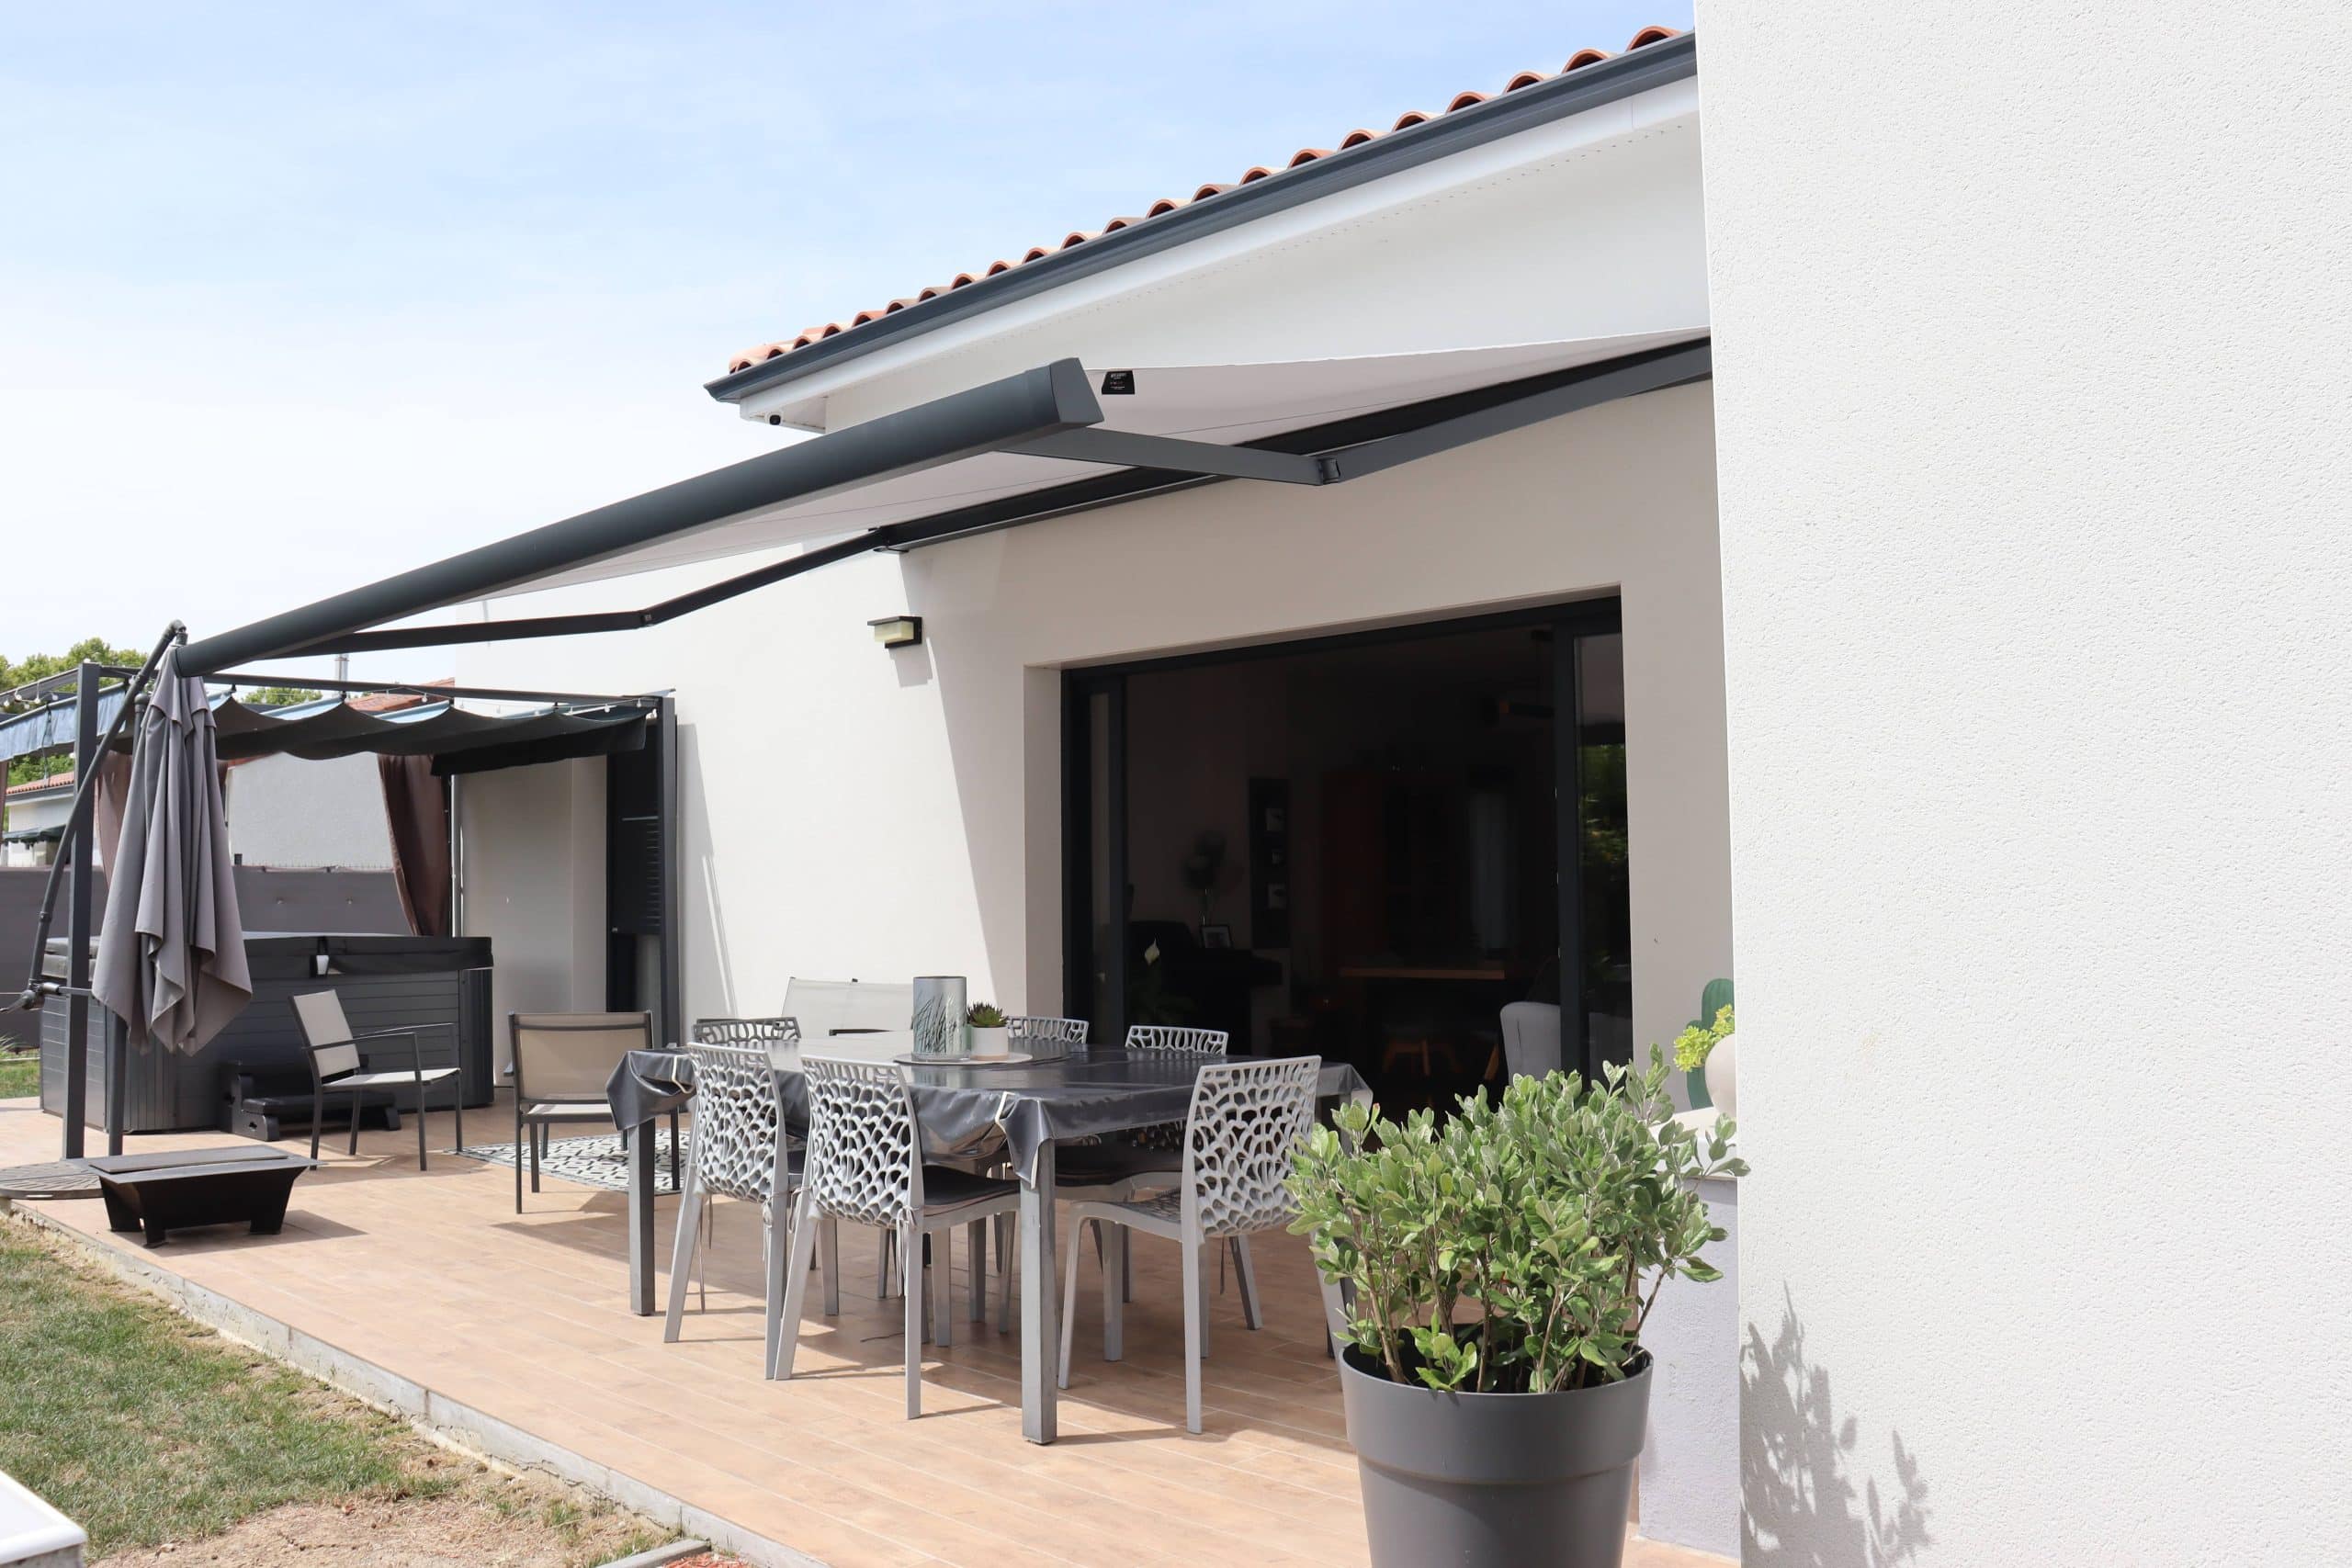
x=404 y=1029
x=416 y=1051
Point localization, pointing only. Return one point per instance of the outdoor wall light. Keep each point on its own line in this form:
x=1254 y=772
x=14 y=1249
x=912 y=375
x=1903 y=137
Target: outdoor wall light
x=897 y=631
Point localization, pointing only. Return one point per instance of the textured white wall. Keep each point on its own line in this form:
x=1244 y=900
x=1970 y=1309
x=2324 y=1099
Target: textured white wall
x=532 y=877
x=2032 y=328
x=853 y=812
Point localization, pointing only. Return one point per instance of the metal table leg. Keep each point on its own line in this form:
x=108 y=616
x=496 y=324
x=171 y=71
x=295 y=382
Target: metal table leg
x=641 y=1218
x=1040 y=1300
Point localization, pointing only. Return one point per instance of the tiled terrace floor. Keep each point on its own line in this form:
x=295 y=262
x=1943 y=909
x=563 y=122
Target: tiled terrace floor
x=435 y=1277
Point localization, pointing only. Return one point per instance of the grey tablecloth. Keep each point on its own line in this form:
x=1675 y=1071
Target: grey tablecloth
x=968 y=1111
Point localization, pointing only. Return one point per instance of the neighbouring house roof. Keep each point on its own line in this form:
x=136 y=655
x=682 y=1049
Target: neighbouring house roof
x=760 y=353
x=61 y=780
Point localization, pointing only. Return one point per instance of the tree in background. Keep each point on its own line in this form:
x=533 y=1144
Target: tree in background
x=39 y=666
x=276 y=696
x=24 y=671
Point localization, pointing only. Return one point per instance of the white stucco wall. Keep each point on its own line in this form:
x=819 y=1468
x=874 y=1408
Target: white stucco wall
x=853 y=812
x=2031 y=328
x=531 y=878
x=287 y=811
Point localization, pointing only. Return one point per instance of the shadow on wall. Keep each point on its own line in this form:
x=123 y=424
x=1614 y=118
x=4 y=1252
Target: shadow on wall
x=711 y=979
x=1798 y=1466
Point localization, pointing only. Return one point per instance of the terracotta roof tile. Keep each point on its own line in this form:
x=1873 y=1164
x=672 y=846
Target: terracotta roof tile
x=1166 y=205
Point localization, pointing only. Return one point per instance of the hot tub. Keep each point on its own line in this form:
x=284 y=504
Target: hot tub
x=387 y=981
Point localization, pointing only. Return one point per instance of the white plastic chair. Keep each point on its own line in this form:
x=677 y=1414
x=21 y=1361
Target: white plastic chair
x=1172 y=1037
x=1031 y=1030
x=1247 y=1119
x=1128 y=1164
x=739 y=1151
x=865 y=1164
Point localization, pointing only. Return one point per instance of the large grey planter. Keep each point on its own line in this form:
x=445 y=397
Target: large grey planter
x=1495 y=1480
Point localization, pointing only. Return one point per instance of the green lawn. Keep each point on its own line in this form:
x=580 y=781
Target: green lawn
x=19 y=1077
x=145 y=1428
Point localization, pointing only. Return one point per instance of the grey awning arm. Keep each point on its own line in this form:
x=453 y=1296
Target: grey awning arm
x=1345 y=449
x=989 y=418
x=1125 y=449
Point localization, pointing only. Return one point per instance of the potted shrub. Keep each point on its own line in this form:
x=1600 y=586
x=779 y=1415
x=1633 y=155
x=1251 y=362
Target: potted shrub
x=1496 y=1270
x=1705 y=1051
x=988 y=1029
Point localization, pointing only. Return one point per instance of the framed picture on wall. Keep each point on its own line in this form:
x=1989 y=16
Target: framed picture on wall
x=1216 y=935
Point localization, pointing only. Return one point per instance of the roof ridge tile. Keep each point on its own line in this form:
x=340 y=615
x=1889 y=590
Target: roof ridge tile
x=1469 y=99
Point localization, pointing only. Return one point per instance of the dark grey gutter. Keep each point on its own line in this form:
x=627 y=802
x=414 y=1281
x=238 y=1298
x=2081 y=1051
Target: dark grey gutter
x=1637 y=71
x=1033 y=405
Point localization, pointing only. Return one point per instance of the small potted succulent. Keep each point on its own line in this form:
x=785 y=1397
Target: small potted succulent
x=1494 y=1271
x=988 y=1029
x=1705 y=1051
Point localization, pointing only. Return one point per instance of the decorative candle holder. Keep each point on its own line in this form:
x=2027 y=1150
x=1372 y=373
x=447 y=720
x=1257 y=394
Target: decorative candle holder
x=939 y=1027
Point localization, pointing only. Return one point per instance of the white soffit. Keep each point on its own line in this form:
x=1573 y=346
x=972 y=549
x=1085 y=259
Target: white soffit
x=1228 y=404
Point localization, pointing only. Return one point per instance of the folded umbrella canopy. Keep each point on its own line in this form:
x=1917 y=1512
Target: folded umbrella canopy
x=171 y=956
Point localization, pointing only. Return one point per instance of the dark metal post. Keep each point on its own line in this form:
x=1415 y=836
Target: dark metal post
x=1120 y=1008
x=79 y=887
x=673 y=854
x=118 y=1081
x=1568 y=789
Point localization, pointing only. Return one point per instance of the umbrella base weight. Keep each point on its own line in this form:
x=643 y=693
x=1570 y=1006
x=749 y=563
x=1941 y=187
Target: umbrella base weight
x=268 y=1108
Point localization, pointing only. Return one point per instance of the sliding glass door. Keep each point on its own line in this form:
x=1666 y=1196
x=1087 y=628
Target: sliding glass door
x=1363 y=846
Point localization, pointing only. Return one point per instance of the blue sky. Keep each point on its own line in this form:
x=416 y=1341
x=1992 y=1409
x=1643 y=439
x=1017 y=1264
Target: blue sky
x=292 y=297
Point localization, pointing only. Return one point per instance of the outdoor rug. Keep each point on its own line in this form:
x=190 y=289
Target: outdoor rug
x=598 y=1161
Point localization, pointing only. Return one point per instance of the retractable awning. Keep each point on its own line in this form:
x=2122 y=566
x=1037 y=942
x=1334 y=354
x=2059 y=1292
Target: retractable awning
x=1060 y=439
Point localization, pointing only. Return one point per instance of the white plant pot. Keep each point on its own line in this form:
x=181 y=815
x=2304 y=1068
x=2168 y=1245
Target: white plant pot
x=1723 y=1078
x=990 y=1041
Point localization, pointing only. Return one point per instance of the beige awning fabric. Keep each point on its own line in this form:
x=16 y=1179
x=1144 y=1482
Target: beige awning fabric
x=1228 y=404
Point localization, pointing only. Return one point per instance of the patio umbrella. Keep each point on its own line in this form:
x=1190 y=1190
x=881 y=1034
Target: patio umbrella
x=171 y=956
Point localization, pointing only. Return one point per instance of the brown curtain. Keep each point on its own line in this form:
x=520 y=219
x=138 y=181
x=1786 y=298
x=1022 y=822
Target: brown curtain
x=106 y=810
x=417 y=804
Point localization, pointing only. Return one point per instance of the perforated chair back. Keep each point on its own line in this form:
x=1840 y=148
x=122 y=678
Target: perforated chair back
x=767 y=1033
x=1169 y=1037
x=1024 y=1029
x=327 y=1035
x=860 y=1165
x=1247 y=1120
x=735 y=1121
x=566 y=1057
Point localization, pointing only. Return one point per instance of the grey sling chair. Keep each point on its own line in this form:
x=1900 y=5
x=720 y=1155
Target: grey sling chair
x=338 y=1065
x=561 y=1062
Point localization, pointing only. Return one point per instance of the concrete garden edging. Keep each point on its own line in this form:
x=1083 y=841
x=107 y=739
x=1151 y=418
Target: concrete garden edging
x=447 y=1421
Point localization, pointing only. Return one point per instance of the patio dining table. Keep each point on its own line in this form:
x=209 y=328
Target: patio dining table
x=1025 y=1108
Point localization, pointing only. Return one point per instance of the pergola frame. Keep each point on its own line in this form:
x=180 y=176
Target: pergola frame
x=79 y=866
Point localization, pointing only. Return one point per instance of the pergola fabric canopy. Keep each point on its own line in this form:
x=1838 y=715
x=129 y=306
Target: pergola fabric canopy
x=459 y=742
